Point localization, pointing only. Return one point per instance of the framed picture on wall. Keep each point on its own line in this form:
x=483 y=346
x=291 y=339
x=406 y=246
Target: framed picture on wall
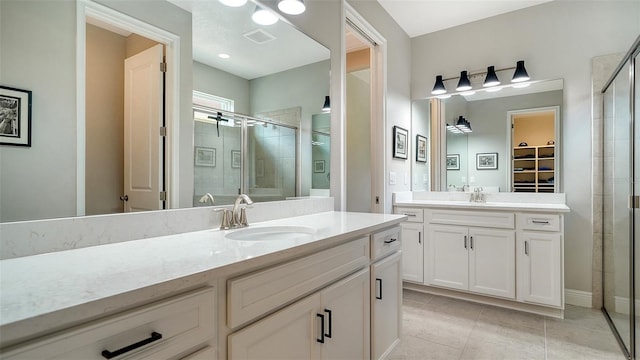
x=235 y=159
x=453 y=162
x=205 y=156
x=318 y=166
x=486 y=161
x=400 y=146
x=15 y=116
x=421 y=148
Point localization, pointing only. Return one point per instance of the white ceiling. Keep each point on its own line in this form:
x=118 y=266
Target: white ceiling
x=419 y=17
x=219 y=29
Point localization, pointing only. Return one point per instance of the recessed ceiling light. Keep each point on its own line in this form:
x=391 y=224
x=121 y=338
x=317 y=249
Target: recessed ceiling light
x=233 y=3
x=224 y=56
x=291 y=7
x=264 y=17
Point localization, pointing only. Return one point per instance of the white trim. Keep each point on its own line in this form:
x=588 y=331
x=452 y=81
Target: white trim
x=378 y=134
x=621 y=304
x=202 y=99
x=88 y=8
x=578 y=298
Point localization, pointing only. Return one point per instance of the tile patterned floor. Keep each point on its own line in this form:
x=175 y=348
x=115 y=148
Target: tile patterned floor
x=436 y=327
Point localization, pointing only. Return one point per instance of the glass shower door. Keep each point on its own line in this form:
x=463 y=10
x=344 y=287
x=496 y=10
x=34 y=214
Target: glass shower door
x=618 y=215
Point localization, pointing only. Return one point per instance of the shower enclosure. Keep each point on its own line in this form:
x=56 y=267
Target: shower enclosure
x=621 y=202
x=239 y=154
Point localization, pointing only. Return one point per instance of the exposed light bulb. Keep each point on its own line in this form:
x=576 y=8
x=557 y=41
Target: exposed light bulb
x=264 y=17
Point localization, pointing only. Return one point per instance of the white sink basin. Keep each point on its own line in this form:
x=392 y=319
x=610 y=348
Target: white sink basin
x=271 y=233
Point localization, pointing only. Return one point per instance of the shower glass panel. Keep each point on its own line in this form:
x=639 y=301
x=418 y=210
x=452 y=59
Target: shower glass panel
x=271 y=161
x=320 y=153
x=217 y=154
x=618 y=215
x=636 y=190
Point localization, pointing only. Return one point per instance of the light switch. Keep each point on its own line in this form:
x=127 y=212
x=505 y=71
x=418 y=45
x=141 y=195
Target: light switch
x=392 y=178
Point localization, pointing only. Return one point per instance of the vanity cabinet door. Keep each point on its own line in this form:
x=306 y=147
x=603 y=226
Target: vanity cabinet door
x=447 y=262
x=412 y=252
x=386 y=305
x=345 y=306
x=540 y=275
x=492 y=262
x=290 y=333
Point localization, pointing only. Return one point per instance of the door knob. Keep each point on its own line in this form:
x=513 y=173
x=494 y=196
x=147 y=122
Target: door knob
x=124 y=198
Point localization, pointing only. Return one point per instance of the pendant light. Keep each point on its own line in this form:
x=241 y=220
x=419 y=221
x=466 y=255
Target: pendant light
x=292 y=7
x=327 y=104
x=262 y=16
x=521 y=73
x=464 y=84
x=491 y=79
x=438 y=87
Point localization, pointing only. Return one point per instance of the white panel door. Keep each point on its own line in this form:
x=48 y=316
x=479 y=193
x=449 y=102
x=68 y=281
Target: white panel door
x=143 y=114
x=291 y=333
x=412 y=252
x=386 y=305
x=492 y=262
x=447 y=262
x=539 y=256
x=345 y=307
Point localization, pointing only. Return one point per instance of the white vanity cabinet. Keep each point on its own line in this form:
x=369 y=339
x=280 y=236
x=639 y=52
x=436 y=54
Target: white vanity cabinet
x=178 y=328
x=540 y=258
x=480 y=260
x=412 y=232
x=386 y=291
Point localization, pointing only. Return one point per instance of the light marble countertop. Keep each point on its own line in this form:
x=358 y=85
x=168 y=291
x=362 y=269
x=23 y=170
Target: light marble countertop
x=40 y=285
x=508 y=206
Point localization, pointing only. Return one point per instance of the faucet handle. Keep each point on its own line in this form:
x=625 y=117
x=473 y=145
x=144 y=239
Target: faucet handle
x=243 y=217
x=225 y=223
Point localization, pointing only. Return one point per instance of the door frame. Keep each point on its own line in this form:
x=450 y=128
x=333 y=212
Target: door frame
x=89 y=9
x=378 y=61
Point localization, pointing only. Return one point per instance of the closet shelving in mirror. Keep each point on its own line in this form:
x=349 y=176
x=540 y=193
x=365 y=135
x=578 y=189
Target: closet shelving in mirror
x=534 y=168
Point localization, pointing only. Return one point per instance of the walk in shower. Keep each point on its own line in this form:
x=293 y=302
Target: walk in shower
x=621 y=202
x=236 y=154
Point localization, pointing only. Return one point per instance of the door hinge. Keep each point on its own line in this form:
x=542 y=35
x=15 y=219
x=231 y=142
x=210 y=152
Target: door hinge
x=635 y=202
x=163 y=67
x=163 y=131
x=163 y=196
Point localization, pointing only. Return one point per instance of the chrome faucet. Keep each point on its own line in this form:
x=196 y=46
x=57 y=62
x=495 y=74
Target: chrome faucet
x=206 y=197
x=239 y=214
x=477 y=195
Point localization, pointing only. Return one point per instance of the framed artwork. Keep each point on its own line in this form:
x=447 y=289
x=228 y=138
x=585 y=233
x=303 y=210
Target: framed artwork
x=421 y=148
x=205 y=156
x=400 y=145
x=235 y=159
x=15 y=116
x=318 y=166
x=453 y=162
x=486 y=161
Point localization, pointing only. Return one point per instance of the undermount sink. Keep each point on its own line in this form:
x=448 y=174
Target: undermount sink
x=270 y=233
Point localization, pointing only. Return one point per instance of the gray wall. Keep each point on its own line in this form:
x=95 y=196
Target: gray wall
x=557 y=40
x=421 y=119
x=213 y=81
x=358 y=141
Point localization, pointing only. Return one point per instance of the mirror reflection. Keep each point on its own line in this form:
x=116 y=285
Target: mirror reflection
x=493 y=154
x=320 y=154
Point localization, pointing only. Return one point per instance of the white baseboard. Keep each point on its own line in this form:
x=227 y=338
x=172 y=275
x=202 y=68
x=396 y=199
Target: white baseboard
x=578 y=298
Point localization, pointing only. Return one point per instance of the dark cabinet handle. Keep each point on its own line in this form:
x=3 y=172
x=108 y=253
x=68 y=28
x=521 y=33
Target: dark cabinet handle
x=379 y=283
x=321 y=340
x=390 y=241
x=419 y=237
x=154 y=337
x=465 y=241
x=471 y=241
x=329 y=314
x=540 y=222
x=526 y=248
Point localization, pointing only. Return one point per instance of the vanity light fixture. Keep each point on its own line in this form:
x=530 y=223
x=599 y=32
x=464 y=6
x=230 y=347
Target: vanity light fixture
x=233 y=3
x=439 y=88
x=520 y=74
x=491 y=79
x=292 y=7
x=463 y=125
x=326 y=107
x=262 y=16
x=453 y=129
x=463 y=84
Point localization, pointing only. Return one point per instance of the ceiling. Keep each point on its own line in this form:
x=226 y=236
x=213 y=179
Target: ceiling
x=419 y=17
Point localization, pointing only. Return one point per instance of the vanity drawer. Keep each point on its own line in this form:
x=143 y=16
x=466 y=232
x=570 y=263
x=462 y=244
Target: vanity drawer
x=414 y=214
x=170 y=327
x=481 y=218
x=542 y=222
x=259 y=293
x=385 y=242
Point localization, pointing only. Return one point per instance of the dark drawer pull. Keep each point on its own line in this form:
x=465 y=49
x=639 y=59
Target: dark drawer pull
x=328 y=313
x=390 y=240
x=321 y=340
x=540 y=222
x=154 y=337
x=379 y=283
x=410 y=215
